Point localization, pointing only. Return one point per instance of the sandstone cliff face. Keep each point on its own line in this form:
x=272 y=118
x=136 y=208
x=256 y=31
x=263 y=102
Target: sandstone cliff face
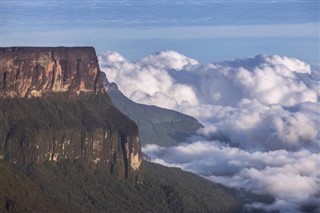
x=35 y=71
x=40 y=122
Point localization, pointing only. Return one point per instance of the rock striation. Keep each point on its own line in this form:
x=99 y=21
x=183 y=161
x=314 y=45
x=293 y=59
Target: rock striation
x=53 y=107
x=35 y=71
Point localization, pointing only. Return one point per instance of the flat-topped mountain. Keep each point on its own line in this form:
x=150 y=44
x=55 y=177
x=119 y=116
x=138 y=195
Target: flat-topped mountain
x=65 y=147
x=36 y=71
x=53 y=107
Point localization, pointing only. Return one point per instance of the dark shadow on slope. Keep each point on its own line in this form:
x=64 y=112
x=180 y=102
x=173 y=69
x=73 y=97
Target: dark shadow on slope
x=157 y=125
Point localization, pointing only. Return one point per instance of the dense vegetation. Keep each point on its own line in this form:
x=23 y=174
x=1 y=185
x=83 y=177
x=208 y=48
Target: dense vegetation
x=57 y=127
x=18 y=193
x=70 y=186
x=156 y=125
x=73 y=184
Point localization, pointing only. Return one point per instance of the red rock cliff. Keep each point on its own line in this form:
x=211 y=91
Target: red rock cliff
x=40 y=122
x=36 y=71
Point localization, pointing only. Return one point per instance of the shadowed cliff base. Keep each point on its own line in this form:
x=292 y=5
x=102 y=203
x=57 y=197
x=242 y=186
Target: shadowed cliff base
x=35 y=130
x=54 y=107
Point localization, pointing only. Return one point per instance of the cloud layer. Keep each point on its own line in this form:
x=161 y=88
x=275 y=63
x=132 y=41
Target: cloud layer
x=261 y=119
x=293 y=178
x=268 y=102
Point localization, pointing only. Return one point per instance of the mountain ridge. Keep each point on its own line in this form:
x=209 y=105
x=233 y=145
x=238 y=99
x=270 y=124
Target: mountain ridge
x=157 y=125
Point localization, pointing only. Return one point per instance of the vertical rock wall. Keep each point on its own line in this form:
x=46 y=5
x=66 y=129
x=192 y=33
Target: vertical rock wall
x=53 y=107
x=34 y=71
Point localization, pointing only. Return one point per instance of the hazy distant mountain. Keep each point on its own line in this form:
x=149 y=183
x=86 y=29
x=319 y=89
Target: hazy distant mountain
x=156 y=125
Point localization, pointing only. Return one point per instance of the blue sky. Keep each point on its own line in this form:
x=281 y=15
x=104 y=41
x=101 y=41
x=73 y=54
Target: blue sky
x=206 y=30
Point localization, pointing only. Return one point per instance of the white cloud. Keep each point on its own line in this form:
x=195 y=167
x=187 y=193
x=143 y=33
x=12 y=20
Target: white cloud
x=293 y=178
x=151 y=81
x=268 y=102
x=267 y=106
x=168 y=60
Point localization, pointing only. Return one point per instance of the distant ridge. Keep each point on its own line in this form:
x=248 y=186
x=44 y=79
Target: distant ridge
x=157 y=125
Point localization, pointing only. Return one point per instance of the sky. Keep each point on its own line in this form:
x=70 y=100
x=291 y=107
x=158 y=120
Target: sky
x=249 y=71
x=210 y=31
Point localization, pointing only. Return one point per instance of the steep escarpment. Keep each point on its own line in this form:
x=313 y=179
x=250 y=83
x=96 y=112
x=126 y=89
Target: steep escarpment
x=53 y=107
x=35 y=71
x=64 y=146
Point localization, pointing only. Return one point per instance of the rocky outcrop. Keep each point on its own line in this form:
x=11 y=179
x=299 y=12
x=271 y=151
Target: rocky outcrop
x=35 y=71
x=40 y=122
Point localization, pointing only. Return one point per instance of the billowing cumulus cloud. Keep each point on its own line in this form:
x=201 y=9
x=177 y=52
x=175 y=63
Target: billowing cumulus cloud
x=268 y=102
x=150 y=78
x=267 y=106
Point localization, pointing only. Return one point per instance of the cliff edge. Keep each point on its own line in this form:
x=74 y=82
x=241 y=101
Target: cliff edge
x=35 y=71
x=53 y=107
